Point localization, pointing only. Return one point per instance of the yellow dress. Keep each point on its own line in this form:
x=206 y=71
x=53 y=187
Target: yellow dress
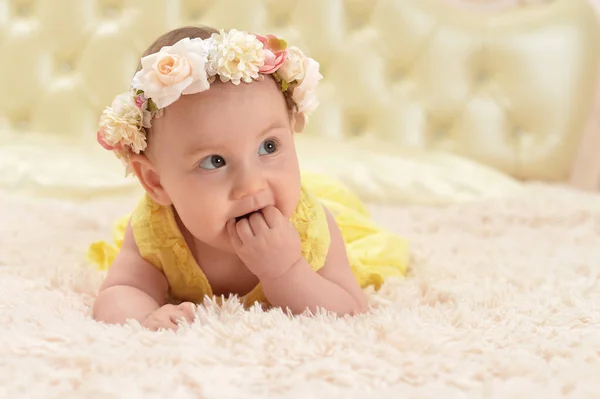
x=374 y=253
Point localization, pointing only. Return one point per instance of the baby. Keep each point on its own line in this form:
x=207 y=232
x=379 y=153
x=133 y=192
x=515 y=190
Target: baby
x=207 y=128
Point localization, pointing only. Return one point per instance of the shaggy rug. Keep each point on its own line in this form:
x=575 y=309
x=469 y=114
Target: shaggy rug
x=503 y=302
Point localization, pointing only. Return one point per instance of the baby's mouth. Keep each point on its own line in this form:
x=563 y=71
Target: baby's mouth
x=247 y=215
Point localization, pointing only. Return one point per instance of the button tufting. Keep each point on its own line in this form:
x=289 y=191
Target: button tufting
x=396 y=74
x=517 y=132
x=482 y=76
x=356 y=22
x=23 y=9
x=111 y=8
x=358 y=13
x=110 y=12
x=279 y=12
x=65 y=67
x=195 y=15
x=280 y=20
x=356 y=125
x=194 y=10
x=440 y=133
x=21 y=124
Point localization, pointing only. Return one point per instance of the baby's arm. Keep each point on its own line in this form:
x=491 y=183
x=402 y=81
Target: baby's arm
x=333 y=287
x=133 y=288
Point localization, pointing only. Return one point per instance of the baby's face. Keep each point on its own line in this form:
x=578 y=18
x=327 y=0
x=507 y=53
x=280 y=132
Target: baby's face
x=224 y=153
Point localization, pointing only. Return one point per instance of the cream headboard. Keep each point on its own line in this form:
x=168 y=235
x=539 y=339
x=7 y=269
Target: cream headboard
x=512 y=89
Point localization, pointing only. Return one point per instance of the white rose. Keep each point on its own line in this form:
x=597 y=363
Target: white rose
x=173 y=71
x=293 y=67
x=305 y=94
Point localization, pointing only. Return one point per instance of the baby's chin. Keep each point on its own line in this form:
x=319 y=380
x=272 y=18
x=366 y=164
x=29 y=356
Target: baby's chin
x=224 y=247
x=219 y=241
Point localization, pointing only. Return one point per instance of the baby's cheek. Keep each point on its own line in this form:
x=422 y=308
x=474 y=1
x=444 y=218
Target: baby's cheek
x=289 y=200
x=196 y=206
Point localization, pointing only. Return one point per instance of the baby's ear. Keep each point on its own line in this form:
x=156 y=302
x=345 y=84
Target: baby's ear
x=148 y=176
x=298 y=121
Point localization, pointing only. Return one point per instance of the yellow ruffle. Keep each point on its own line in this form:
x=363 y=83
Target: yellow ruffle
x=101 y=253
x=375 y=253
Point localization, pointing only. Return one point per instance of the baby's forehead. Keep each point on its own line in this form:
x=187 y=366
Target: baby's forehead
x=225 y=112
x=226 y=104
x=227 y=94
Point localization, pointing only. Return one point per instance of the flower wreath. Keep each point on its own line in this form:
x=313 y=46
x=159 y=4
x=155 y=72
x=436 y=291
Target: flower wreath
x=190 y=66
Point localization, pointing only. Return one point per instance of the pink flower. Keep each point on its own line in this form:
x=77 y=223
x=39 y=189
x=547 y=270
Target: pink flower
x=140 y=101
x=102 y=142
x=275 y=53
x=273 y=61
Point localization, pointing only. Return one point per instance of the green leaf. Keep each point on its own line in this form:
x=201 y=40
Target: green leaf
x=151 y=106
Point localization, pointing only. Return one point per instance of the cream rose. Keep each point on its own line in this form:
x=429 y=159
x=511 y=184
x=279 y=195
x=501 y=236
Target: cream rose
x=305 y=94
x=293 y=68
x=173 y=71
x=121 y=125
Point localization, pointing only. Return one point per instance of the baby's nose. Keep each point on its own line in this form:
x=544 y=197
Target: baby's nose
x=248 y=184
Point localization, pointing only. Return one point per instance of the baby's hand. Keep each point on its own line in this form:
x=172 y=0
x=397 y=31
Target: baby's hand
x=168 y=315
x=266 y=242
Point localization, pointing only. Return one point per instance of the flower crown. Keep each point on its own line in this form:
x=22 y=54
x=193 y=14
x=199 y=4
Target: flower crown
x=190 y=66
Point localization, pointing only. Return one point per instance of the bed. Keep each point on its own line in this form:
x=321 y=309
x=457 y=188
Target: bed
x=471 y=129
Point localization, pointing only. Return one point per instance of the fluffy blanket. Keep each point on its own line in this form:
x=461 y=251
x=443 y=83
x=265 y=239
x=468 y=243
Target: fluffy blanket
x=503 y=302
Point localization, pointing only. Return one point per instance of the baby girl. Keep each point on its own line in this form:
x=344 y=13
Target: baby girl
x=208 y=129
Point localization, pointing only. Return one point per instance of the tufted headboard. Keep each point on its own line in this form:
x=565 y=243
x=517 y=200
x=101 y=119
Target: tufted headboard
x=514 y=89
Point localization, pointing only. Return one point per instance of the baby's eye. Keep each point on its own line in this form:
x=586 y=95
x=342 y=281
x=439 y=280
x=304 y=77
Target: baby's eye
x=267 y=147
x=212 y=162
